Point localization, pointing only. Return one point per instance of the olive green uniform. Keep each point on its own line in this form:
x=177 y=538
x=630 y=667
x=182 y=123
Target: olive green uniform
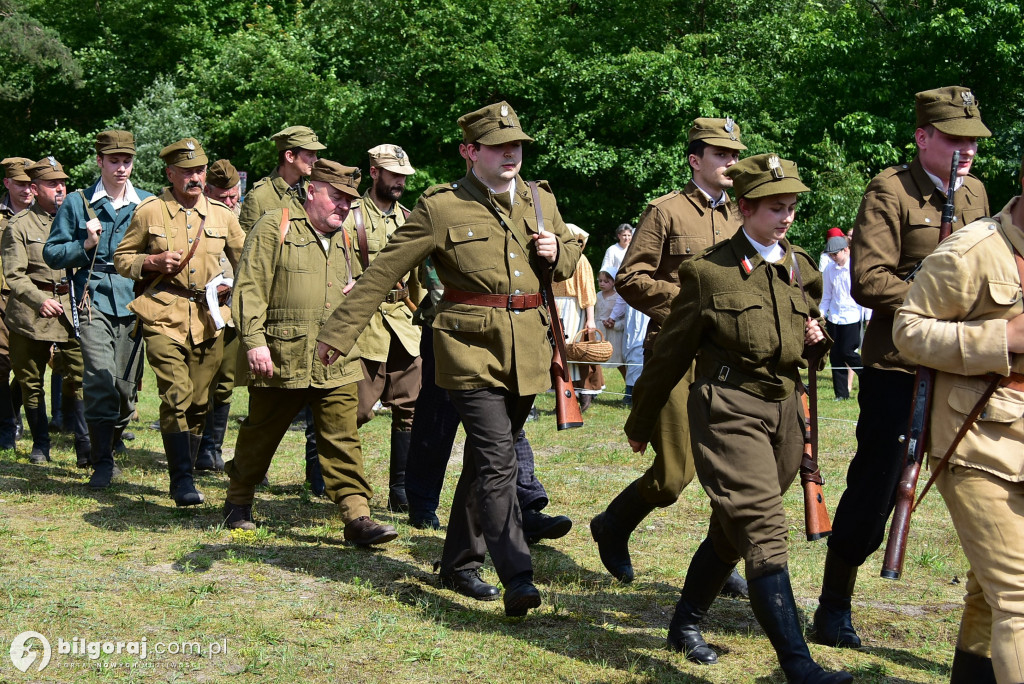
x=267 y=194
x=183 y=346
x=673 y=229
x=6 y=214
x=286 y=288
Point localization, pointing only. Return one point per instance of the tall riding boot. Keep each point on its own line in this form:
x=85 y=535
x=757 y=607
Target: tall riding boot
x=8 y=438
x=771 y=599
x=704 y=580
x=971 y=669
x=833 y=624
x=56 y=402
x=101 y=439
x=612 y=528
x=400 y=442
x=40 y=434
x=209 y=457
x=178 y=447
x=82 y=445
x=314 y=475
x=16 y=403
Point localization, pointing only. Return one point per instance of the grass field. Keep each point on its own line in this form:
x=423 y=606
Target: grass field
x=292 y=602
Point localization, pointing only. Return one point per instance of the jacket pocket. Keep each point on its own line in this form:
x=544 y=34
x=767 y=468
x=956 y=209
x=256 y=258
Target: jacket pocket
x=215 y=240
x=687 y=245
x=741 y=321
x=297 y=253
x=1005 y=405
x=470 y=243
x=288 y=349
x=1004 y=294
x=160 y=238
x=460 y=321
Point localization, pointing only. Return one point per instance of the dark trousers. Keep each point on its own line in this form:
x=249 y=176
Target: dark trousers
x=485 y=513
x=434 y=426
x=845 y=340
x=107 y=344
x=862 y=515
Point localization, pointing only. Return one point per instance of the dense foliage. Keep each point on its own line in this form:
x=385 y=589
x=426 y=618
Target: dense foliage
x=608 y=89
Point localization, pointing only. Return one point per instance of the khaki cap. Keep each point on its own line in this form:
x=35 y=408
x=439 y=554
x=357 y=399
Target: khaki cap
x=186 y=153
x=764 y=175
x=953 y=110
x=222 y=174
x=391 y=158
x=344 y=178
x=721 y=132
x=14 y=168
x=297 y=136
x=495 y=124
x=115 y=142
x=46 y=168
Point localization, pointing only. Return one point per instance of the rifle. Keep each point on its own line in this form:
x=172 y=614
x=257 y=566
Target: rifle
x=816 y=521
x=75 y=322
x=913 y=448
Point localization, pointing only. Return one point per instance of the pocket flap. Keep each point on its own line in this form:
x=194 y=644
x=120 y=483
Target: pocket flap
x=1002 y=407
x=1004 y=294
x=459 y=321
x=736 y=301
x=467 y=232
x=286 y=332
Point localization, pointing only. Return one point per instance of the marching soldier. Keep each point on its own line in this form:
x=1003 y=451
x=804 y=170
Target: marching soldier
x=294 y=270
x=17 y=198
x=173 y=247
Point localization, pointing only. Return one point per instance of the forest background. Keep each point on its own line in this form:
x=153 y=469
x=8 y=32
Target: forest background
x=607 y=89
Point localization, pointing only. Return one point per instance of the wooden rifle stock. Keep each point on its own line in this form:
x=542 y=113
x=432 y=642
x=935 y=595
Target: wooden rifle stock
x=567 y=408
x=816 y=520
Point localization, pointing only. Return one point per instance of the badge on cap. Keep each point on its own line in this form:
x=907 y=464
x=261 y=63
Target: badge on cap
x=52 y=162
x=190 y=145
x=504 y=110
x=730 y=126
x=775 y=166
x=968 y=98
x=400 y=155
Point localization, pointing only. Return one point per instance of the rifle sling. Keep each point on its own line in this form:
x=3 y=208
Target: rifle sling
x=556 y=324
x=809 y=471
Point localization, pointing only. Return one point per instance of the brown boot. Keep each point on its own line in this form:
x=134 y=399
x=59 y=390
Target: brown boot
x=364 y=532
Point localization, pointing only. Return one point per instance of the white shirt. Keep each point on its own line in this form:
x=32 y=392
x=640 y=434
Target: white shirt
x=612 y=259
x=837 y=305
x=129 y=196
x=772 y=254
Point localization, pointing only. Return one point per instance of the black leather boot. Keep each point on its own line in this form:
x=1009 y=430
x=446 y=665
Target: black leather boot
x=178 y=447
x=16 y=404
x=81 y=431
x=8 y=434
x=209 y=457
x=314 y=474
x=833 y=625
x=771 y=599
x=704 y=581
x=400 y=442
x=971 y=669
x=101 y=439
x=56 y=403
x=612 y=528
x=40 y=434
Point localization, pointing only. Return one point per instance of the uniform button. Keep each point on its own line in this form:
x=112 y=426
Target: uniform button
x=518 y=292
x=190 y=240
x=328 y=262
x=191 y=284
x=456 y=326
x=517 y=274
x=927 y=220
x=984 y=415
x=329 y=284
x=511 y=255
x=188 y=212
x=189 y=225
x=455 y=185
x=327 y=306
x=192 y=270
x=470 y=233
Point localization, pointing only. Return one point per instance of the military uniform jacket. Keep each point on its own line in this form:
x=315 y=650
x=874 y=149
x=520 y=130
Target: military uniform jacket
x=270 y=193
x=954 y=320
x=161 y=224
x=673 y=228
x=898 y=226
x=6 y=214
x=109 y=292
x=391 y=318
x=285 y=291
x=24 y=269
x=741 y=318
x=474 y=251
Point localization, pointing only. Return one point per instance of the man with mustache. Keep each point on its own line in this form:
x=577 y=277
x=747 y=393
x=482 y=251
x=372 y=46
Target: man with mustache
x=390 y=342
x=297 y=263
x=39 y=311
x=86 y=231
x=17 y=198
x=173 y=248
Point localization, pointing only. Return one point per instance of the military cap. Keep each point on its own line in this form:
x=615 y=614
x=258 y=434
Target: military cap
x=14 y=168
x=494 y=124
x=115 y=142
x=764 y=175
x=222 y=174
x=344 y=178
x=835 y=241
x=392 y=158
x=186 y=153
x=302 y=137
x=721 y=132
x=46 y=168
x=952 y=110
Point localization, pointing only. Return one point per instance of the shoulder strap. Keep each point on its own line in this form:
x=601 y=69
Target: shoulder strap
x=88 y=207
x=285 y=224
x=364 y=254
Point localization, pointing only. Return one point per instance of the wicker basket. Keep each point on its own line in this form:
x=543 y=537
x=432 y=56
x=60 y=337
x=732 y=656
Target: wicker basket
x=583 y=350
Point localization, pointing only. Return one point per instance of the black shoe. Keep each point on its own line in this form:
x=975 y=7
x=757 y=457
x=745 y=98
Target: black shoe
x=426 y=520
x=833 y=620
x=468 y=583
x=237 y=517
x=705 y=577
x=101 y=437
x=520 y=598
x=128 y=436
x=612 y=528
x=684 y=634
x=537 y=526
x=735 y=587
x=40 y=434
x=971 y=669
x=364 y=532
x=178 y=447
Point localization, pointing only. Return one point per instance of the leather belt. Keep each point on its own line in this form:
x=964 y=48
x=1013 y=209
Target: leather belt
x=104 y=268
x=54 y=288
x=512 y=302
x=197 y=296
x=396 y=296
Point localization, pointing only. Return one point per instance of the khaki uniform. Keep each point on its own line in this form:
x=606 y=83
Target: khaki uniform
x=746 y=333
x=183 y=345
x=954 y=320
x=32 y=282
x=673 y=229
x=286 y=289
x=6 y=214
x=492 y=361
x=267 y=194
x=390 y=343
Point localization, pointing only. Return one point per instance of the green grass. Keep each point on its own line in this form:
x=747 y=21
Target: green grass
x=292 y=602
